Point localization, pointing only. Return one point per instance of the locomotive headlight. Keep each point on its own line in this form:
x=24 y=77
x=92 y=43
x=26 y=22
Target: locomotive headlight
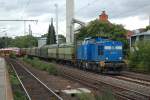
x=106 y=58
x=120 y=58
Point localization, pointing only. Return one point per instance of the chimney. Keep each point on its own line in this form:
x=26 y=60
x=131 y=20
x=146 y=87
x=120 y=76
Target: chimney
x=103 y=17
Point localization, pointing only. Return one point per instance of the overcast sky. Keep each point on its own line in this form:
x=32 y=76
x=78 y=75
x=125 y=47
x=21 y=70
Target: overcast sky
x=133 y=14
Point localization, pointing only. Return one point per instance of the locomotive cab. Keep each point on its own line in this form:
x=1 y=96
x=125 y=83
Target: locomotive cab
x=111 y=52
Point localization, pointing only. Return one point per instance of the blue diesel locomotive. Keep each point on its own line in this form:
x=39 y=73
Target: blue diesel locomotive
x=100 y=54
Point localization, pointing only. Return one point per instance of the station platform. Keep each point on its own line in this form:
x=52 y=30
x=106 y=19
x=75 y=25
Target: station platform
x=5 y=86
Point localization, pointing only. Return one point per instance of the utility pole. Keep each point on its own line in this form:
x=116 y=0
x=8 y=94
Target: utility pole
x=57 y=40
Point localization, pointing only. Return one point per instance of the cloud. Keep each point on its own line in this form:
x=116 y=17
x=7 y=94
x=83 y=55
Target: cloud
x=116 y=8
x=120 y=11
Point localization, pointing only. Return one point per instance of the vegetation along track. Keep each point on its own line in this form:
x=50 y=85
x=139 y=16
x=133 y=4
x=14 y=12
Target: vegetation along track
x=99 y=82
x=34 y=88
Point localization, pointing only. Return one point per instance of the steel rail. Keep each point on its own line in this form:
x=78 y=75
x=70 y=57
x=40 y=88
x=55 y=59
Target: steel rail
x=96 y=87
x=137 y=81
x=136 y=76
x=109 y=84
x=50 y=90
x=21 y=82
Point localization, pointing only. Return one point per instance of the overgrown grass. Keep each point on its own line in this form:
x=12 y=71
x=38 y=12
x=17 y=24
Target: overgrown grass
x=14 y=79
x=19 y=95
x=36 y=63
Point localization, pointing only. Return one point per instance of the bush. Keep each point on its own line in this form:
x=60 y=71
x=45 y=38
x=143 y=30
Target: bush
x=19 y=95
x=12 y=55
x=52 y=70
x=139 y=59
x=106 y=95
x=37 y=63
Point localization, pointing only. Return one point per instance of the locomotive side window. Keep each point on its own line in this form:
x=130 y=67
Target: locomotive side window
x=100 y=50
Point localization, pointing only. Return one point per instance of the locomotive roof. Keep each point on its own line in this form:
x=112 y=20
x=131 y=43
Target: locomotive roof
x=66 y=44
x=56 y=45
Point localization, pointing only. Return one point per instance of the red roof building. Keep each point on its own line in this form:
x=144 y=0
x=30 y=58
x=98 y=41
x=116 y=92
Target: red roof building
x=103 y=17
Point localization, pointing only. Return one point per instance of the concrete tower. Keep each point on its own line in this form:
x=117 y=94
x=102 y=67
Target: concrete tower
x=69 y=17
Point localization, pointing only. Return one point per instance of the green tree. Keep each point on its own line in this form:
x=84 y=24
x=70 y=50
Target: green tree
x=5 y=42
x=139 y=60
x=62 y=38
x=102 y=29
x=24 y=41
x=51 y=37
x=148 y=28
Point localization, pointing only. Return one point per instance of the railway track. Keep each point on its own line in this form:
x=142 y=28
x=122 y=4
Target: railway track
x=135 y=80
x=136 y=76
x=95 y=82
x=34 y=88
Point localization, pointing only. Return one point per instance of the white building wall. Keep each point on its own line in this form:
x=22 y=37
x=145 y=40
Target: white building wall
x=41 y=42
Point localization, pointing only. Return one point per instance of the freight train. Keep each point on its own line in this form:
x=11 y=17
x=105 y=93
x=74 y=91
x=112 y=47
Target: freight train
x=96 y=54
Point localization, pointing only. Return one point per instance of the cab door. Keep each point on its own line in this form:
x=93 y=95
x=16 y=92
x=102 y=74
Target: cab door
x=100 y=53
